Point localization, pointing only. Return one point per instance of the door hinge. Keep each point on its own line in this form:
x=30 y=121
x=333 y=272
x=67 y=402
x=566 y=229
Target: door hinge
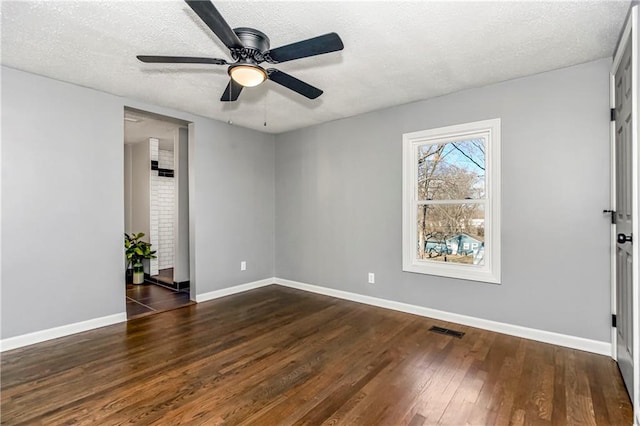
x=613 y=114
x=613 y=320
x=612 y=214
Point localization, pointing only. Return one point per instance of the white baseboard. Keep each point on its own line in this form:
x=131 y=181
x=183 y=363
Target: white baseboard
x=64 y=330
x=233 y=290
x=588 y=345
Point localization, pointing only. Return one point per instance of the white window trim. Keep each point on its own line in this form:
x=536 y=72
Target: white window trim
x=490 y=272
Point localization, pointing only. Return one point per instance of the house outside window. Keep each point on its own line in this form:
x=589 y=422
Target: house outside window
x=451 y=201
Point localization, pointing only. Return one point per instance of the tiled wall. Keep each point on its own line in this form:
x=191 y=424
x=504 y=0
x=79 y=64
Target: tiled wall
x=166 y=210
x=162 y=209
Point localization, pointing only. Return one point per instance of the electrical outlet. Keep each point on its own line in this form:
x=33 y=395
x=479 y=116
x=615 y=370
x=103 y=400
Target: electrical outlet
x=372 y=278
x=243 y=265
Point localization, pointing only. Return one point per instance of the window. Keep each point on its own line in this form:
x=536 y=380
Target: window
x=451 y=201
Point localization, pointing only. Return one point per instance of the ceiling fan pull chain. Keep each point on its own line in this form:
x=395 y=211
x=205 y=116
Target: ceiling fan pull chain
x=265 y=109
x=230 y=97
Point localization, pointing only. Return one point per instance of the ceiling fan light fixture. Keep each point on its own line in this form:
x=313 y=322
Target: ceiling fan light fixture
x=247 y=75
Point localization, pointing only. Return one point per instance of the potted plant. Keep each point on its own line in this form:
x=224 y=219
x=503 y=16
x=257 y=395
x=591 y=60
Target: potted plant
x=136 y=251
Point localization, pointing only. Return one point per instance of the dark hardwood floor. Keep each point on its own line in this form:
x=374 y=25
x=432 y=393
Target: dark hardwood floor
x=276 y=356
x=146 y=299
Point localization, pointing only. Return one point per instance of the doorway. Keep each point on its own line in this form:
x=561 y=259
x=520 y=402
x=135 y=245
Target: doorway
x=156 y=203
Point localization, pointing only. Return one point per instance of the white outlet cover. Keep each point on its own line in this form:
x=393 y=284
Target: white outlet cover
x=243 y=266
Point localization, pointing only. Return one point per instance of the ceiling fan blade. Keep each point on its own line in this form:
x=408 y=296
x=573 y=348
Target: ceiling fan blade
x=232 y=91
x=180 y=60
x=293 y=83
x=314 y=46
x=214 y=20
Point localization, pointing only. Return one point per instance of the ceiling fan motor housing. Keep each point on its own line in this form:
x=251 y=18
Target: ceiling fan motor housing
x=255 y=44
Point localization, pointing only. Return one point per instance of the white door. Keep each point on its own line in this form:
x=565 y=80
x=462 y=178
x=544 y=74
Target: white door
x=625 y=103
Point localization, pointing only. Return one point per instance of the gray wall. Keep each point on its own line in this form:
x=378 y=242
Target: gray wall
x=338 y=203
x=234 y=204
x=128 y=171
x=62 y=189
x=141 y=192
x=338 y=192
x=181 y=151
x=62 y=204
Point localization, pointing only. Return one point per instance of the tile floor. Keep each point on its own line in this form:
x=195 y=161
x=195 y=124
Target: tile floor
x=165 y=275
x=146 y=299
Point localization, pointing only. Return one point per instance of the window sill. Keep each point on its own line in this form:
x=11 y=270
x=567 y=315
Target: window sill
x=463 y=272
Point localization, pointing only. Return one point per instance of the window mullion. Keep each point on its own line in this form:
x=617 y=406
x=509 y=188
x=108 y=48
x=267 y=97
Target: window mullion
x=440 y=202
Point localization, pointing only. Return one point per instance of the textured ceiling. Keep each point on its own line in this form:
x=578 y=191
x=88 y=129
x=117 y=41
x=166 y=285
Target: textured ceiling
x=395 y=51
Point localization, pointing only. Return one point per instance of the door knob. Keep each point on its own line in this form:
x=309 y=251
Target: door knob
x=624 y=238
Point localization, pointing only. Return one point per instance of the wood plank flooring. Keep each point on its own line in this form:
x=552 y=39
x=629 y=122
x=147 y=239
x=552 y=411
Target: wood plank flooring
x=278 y=356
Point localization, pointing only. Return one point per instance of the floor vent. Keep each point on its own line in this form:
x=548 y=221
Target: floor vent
x=446 y=331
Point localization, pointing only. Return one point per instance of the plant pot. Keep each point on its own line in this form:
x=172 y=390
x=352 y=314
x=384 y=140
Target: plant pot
x=138 y=273
x=129 y=276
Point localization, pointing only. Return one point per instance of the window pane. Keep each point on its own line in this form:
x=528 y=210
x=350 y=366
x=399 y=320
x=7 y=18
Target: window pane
x=452 y=170
x=451 y=233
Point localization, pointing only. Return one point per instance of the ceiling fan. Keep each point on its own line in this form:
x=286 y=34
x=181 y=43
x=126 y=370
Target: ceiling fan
x=249 y=48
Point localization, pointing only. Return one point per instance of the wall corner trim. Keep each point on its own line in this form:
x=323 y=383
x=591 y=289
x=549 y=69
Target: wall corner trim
x=580 y=343
x=216 y=294
x=56 y=332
